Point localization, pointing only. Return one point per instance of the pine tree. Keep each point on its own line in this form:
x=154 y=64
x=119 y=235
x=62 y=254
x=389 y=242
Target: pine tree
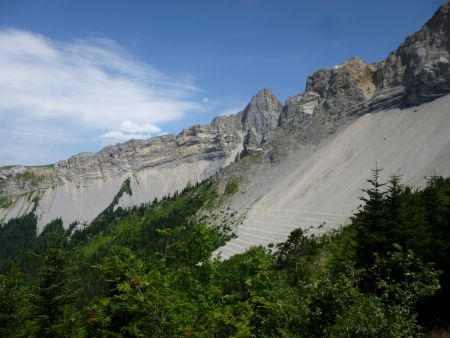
x=370 y=222
x=437 y=203
x=395 y=212
x=52 y=303
x=15 y=302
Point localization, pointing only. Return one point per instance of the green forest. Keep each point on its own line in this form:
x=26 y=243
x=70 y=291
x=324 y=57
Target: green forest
x=149 y=272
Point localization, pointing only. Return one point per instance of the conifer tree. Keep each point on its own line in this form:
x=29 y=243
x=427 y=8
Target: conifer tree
x=52 y=304
x=370 y=221
x=15 y=302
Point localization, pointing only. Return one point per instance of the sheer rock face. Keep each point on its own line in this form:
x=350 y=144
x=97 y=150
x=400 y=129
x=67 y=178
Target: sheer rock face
x=298 y=109
x=332 y=97
x=251 y=143
x=420 y=67
x=344 y=85
x=216 y=141
x=262 y=114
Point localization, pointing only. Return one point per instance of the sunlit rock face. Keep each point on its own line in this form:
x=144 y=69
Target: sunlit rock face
x=420 y=68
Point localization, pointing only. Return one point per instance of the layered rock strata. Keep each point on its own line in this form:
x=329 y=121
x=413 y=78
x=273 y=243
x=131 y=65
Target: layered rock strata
x=79 y=188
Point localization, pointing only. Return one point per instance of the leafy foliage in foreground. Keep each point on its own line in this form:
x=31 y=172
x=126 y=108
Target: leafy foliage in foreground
x=149 y=272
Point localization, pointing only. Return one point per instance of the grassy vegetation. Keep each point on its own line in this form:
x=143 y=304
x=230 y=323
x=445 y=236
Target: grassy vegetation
x=231 y=188
x=28 y=175
x=5 y=202
x=124 y=189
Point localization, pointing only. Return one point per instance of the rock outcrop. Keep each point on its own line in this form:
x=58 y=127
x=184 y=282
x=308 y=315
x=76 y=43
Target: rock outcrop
x=262 y=114
x=343 y=86
x=419 y=70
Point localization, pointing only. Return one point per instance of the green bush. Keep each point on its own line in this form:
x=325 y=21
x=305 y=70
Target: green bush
x=231 y=188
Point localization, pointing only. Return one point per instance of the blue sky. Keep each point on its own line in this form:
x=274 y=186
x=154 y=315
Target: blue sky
x=78 y=75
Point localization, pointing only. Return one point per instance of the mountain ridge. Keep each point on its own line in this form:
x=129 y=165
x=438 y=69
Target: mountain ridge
x=416 y=72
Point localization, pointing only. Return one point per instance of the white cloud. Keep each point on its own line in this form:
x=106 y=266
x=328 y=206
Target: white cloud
x=129 y=130
x=81 y=92
x=130 y=127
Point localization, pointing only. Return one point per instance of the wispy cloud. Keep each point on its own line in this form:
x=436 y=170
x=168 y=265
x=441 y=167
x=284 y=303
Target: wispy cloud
x=79 y=92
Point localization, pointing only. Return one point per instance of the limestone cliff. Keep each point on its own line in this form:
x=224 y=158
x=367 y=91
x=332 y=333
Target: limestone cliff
x=79 y=188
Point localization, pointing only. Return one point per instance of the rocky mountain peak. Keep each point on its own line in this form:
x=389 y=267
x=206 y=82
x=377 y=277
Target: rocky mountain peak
x=262 y=113
x=419 y=70
x=264 y=99
x=440 y=20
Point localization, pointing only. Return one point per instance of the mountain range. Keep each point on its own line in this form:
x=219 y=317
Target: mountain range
x=298 y=164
